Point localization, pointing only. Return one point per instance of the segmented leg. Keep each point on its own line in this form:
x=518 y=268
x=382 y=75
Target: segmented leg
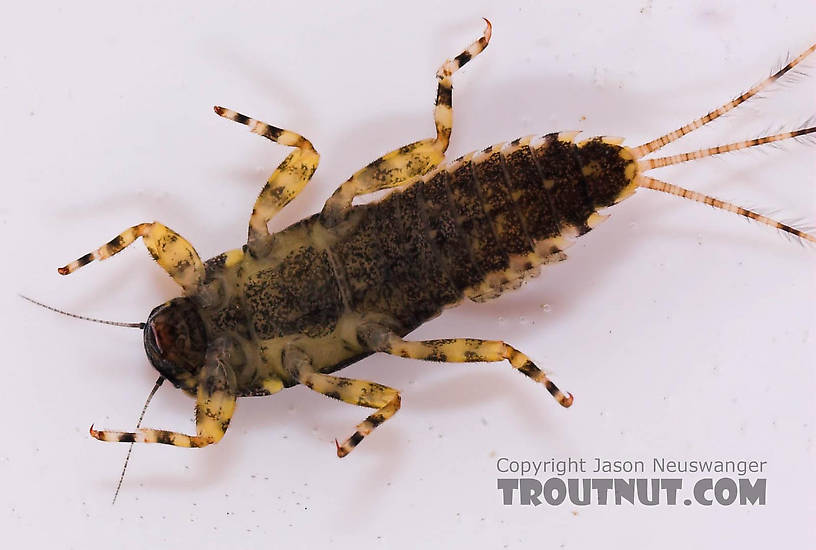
x=172 y=252
x=657 y=185
x=215 y=404
x=285 y=182
x=356 y=392
x=458 y=350
x=409 y=161
x=656 y=144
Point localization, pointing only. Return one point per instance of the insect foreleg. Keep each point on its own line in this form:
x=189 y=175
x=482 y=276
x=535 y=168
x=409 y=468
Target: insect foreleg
x=215 y=403
x=285 y=182
x=457 y=350
x=168 y=248
x=356 y=392
x=399 y=166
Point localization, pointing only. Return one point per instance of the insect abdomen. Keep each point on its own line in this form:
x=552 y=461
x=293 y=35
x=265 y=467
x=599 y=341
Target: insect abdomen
x=475 y=228
x=515 y=205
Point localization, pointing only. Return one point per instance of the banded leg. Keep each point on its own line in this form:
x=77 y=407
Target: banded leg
x=172 y=252
x=409 y=161
x=458 y=350
x=285 y=182
x=356 y=392
x=215 y=403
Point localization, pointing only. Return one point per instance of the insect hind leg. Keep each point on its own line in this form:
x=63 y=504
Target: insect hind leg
x=657 y=185
x=415 y=159
x=443 y=111
x=458 y=350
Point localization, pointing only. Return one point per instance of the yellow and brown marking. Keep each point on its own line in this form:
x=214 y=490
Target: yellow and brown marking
x=172 y=252
x=407 y=162
x=355 y=392
x=443 y=112
x=284 y=184
x=215 y=404
x=459 y=350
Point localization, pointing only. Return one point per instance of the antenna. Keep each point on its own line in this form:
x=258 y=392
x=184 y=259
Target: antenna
x=75 y=316
x=138 y=425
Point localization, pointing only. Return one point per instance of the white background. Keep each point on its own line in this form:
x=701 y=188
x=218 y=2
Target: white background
x=683 y=331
